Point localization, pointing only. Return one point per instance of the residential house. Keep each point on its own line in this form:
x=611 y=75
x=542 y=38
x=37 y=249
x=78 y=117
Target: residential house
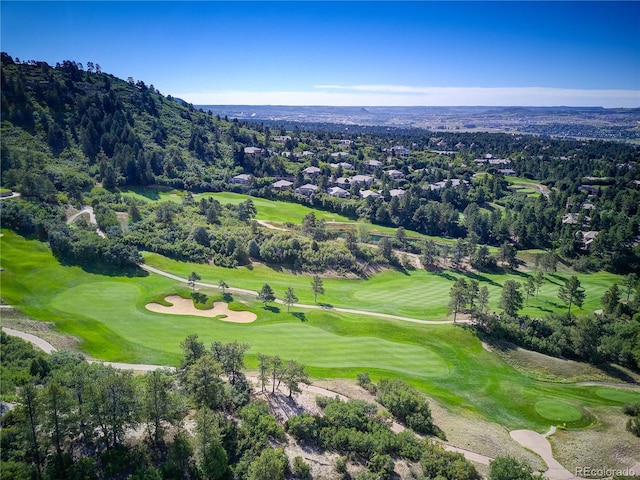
x=337 y=192
x=373 y=164
x=455 y=183
x=340 y=154
x=506 y=171
x=252 y=150
x=588 y=238
x=400 y=150
x=397 y=192
x=307 y=189
x=499 y=161
x=362 y=179
x=343 y=165
x=395 y=174
x=282 y=185
x=369 y=193
x=342 y=182
x=570 y=218
x=242 y=179
x=311 y=171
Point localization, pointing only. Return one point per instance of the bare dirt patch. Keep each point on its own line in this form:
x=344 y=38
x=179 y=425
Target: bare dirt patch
x=16 y=320
x=617 y=448
x=558 y=369
x=184 y=306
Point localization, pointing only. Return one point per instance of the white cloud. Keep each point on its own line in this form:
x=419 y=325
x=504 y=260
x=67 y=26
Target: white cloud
x=403 y=95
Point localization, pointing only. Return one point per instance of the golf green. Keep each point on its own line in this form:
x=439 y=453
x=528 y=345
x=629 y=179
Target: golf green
x=557 y=411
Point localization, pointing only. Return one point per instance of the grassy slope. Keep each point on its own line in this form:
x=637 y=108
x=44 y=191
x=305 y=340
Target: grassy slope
x=445 y=361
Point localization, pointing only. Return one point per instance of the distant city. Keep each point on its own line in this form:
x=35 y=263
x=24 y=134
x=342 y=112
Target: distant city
x=555 y=122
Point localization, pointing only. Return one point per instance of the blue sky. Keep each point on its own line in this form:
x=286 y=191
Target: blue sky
x=347 y=53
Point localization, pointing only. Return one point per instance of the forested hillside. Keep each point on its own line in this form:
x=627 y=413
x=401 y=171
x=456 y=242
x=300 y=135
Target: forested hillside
x=67 y=129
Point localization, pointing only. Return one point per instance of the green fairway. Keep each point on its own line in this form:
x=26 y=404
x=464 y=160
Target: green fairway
x=107 y=312
x=417 y=293
x=270 y=210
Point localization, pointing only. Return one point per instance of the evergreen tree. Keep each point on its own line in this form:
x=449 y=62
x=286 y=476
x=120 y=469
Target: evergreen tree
x=572 y=293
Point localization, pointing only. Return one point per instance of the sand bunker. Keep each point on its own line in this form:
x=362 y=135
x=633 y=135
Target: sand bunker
x=184 y=306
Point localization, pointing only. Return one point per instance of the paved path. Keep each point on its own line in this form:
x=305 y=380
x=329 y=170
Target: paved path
x=529 y=439
x=37 y=341
x=396 y=427
x=92 y=218
x=301 y=305
x=13 y=195
x=539 y=444
x=270 y=226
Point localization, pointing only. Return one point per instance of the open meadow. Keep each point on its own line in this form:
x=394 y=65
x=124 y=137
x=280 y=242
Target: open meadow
x=107 y=312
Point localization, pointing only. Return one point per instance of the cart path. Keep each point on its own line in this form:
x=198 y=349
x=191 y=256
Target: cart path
x=529 y=439
x=301 y=305
x=92 y=218
x=539 y=444
x=396 y=427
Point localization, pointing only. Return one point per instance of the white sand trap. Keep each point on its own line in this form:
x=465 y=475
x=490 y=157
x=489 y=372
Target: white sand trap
x=184 y=306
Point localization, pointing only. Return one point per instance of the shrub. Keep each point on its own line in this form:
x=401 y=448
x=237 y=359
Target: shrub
x=633 y=425
x=632 y=409
x=341 y=465
x=303 y=427
x=406 y=404
x=382 y=466
x=300 y=469
x=365 y=382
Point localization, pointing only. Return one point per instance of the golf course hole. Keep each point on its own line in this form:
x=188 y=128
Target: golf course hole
x=622 y=396
x=184 y=306
x=557 y=411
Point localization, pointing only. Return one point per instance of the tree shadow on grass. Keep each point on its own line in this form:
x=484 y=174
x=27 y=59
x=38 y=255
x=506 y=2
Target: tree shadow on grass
x=519 y=273
x=109 y=270
x=554 y=283
x=272 y=308
x=300 y=316
x=557 y=277
x=480 y=278
x=616 y=371
x=199 y=297
x=542 y=309
x=227 y=297
x=445 y=275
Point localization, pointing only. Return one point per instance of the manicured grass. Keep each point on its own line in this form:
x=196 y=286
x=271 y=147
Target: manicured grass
x=557 y=411
x=279 y=212
x=416 y=293
x=445 y=361
x=270 y=210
